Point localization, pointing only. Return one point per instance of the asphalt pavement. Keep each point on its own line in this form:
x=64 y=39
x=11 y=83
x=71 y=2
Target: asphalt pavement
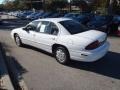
x=5 y=81
x=42 y=72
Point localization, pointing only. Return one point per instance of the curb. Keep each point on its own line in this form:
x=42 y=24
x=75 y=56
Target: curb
x=16 y=79
x=5 y=81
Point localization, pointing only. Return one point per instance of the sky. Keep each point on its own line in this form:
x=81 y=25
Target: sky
x=1 y=1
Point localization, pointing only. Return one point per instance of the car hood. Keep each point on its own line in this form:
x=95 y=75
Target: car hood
x=17 y=29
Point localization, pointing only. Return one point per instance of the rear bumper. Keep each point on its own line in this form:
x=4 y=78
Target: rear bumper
x=90 y=56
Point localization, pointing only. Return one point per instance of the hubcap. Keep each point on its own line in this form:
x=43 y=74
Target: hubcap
x=17 y=40
x=60 y=55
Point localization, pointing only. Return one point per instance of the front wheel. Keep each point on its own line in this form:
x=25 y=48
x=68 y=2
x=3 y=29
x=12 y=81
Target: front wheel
x=18 y=40
x=62 y=55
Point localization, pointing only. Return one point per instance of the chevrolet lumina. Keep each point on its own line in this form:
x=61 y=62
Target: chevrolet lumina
x=65 y=38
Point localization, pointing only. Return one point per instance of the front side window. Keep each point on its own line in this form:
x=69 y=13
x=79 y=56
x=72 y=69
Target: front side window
x=73 y=27
x=33 y=26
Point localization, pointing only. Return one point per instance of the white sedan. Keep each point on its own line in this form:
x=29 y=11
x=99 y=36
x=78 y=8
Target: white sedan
x=65 y=38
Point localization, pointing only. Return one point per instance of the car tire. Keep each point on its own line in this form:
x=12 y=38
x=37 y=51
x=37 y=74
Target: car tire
x=18 y=40
x=62 y=55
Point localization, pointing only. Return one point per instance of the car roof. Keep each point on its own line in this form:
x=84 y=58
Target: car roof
x=54 y=19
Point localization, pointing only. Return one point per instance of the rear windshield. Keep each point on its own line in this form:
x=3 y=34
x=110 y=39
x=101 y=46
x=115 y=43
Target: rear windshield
x=73 y=27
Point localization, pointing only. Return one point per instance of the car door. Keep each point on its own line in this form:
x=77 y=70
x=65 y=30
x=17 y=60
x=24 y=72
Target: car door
x=29 y=32
x=47 y=35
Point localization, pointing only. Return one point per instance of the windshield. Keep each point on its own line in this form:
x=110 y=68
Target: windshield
x=73 y=27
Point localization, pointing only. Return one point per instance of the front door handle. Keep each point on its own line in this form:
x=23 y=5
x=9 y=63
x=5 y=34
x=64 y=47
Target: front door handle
x=53 y=38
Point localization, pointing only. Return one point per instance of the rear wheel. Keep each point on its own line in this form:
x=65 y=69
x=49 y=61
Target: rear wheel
x=62 y=55
x=18 y=40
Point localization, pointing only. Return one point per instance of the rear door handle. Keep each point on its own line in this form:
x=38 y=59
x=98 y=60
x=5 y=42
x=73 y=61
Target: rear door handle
x=34 y=35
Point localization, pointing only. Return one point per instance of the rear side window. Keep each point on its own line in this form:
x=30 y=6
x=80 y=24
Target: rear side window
x=48 y=28
x=54 y=29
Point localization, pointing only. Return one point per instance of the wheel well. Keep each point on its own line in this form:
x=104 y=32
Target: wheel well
x=15 y=34
x=59 y=45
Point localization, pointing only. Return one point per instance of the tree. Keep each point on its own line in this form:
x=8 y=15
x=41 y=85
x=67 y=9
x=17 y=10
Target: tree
x=54 y=5
x=82 y=4
x=9 y=5
x=58 y=4
x=107 y=6
x=20 y=4
x=14 y=5
x=100 y=6
x=113 y=6
x=1 y=7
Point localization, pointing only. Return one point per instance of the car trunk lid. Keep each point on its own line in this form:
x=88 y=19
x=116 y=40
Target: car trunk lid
x=93 y=35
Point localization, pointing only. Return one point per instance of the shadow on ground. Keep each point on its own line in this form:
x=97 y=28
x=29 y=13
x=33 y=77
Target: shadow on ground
x=9 y=24
x=2 y=70
x=36 y=49
x=19 y=68
x=15 y=69
x=12 y=62
x=107 y=66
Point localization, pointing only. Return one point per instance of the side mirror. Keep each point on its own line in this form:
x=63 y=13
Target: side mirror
x=25 y=29
x=29 y=28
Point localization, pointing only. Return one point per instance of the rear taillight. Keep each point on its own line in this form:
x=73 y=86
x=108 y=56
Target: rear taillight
x=118 y=31
x=118 y=28
x=93 y=45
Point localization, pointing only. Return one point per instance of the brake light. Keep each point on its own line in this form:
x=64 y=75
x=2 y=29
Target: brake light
x=93 y=45
x=118 y=28
x=118 y=31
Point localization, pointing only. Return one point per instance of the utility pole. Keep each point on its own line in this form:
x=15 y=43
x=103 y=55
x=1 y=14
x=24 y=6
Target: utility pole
x=31 y=4
x=70 y=9
x=44 y=5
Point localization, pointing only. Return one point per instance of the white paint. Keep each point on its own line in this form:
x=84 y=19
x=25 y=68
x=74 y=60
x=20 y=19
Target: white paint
x=74 y=43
